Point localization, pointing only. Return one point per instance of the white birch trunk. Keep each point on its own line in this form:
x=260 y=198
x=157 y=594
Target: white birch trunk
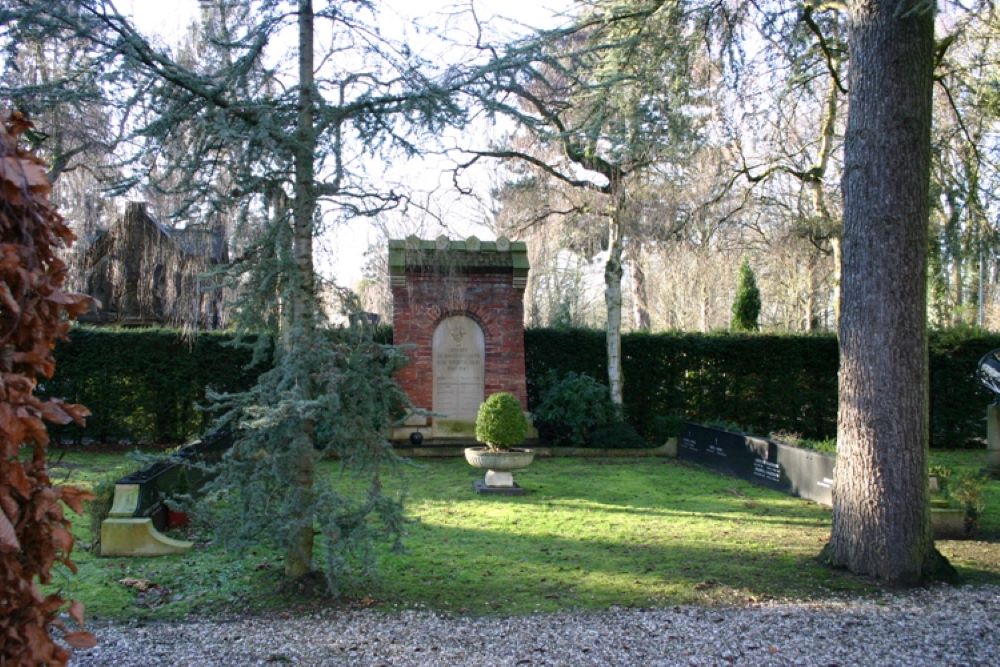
x=613 y=298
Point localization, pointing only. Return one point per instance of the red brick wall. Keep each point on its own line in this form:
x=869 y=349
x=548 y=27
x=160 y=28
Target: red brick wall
x=487 y=297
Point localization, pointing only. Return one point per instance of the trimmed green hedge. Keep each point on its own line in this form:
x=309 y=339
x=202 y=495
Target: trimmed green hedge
x=764 y=383
x=761 y=382
x=958 y=401
x=143 y=385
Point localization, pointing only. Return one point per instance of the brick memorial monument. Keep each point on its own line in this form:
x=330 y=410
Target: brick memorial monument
x=458 y=307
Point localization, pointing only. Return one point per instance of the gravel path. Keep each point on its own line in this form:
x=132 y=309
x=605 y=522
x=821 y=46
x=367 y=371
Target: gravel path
x=937 y=626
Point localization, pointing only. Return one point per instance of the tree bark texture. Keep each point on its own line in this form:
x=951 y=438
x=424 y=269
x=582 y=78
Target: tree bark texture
x=640 y=292
x=881 y=521
x=298 y=560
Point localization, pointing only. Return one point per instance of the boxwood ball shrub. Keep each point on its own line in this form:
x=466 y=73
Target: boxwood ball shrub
x=500 y=422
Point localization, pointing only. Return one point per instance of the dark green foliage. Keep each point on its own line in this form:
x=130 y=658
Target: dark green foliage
x=746 y=305
x=617 y=435
x=766 y=383
x=145 y=385
x=958 y=401
x=666 y=426
x=500 y=422
x=571 y=407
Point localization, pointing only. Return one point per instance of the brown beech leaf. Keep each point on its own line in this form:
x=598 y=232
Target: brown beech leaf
x=40 y=646
x=8 y=505
x=19 y=124
x=53 y=411
x=22 y=173
x=75 y=497
x=80 y=640
x=8 y=536
x=77 y=412
x=8 y=299
x=19 y=481
x=76 y=611
x=62 y=539
x=67 y=298
x=36 y=430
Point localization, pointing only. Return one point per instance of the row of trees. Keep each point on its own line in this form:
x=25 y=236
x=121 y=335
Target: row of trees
x=756 y=174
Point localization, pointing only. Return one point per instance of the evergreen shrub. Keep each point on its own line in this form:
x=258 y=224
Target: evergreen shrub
x=571 y=408
x=617 y=435
x=746 y=305
x=500 y=423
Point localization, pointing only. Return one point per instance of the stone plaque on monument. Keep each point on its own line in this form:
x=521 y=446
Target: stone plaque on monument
x=459 y=356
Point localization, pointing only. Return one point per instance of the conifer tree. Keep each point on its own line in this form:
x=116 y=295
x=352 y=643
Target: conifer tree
x=746 y=305
x=290 y=145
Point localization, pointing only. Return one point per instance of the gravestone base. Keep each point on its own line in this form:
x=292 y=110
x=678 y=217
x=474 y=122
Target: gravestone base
x=138 y=537
x=993 y=441
x=481 y=487
x=499 y=478
x=454 y=428
x=948 y=524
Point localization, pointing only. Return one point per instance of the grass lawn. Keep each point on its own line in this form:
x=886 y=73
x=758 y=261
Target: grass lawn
x=590 y=534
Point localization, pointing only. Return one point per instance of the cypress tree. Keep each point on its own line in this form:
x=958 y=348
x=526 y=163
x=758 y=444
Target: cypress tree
x=746 y=305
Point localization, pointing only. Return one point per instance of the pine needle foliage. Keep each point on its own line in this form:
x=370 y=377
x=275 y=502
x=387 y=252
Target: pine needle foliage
x=280 y=422
x=280 y=142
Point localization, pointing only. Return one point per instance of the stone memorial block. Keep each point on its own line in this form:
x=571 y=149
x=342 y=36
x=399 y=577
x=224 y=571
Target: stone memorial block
x=458 y=310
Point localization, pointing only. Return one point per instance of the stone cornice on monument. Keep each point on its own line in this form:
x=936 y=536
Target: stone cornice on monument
x=443 y=255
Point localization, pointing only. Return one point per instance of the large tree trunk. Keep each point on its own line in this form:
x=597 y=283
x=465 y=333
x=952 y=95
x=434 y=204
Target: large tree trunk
x=881 y=522
x=298 y=560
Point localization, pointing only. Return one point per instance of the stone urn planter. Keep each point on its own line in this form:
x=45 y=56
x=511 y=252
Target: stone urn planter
x=499 y=464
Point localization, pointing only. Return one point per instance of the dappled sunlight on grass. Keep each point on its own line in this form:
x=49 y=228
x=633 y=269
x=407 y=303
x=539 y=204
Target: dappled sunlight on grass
x=589 y=534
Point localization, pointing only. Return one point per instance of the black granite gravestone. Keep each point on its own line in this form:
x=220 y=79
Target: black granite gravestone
x=162 y=478
x=770 y=463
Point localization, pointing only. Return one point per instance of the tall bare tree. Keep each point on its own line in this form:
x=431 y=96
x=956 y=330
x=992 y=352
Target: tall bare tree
x=610 y=96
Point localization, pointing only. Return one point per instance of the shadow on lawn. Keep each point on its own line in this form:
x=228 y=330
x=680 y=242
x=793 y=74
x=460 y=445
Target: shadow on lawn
x=479 y=571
